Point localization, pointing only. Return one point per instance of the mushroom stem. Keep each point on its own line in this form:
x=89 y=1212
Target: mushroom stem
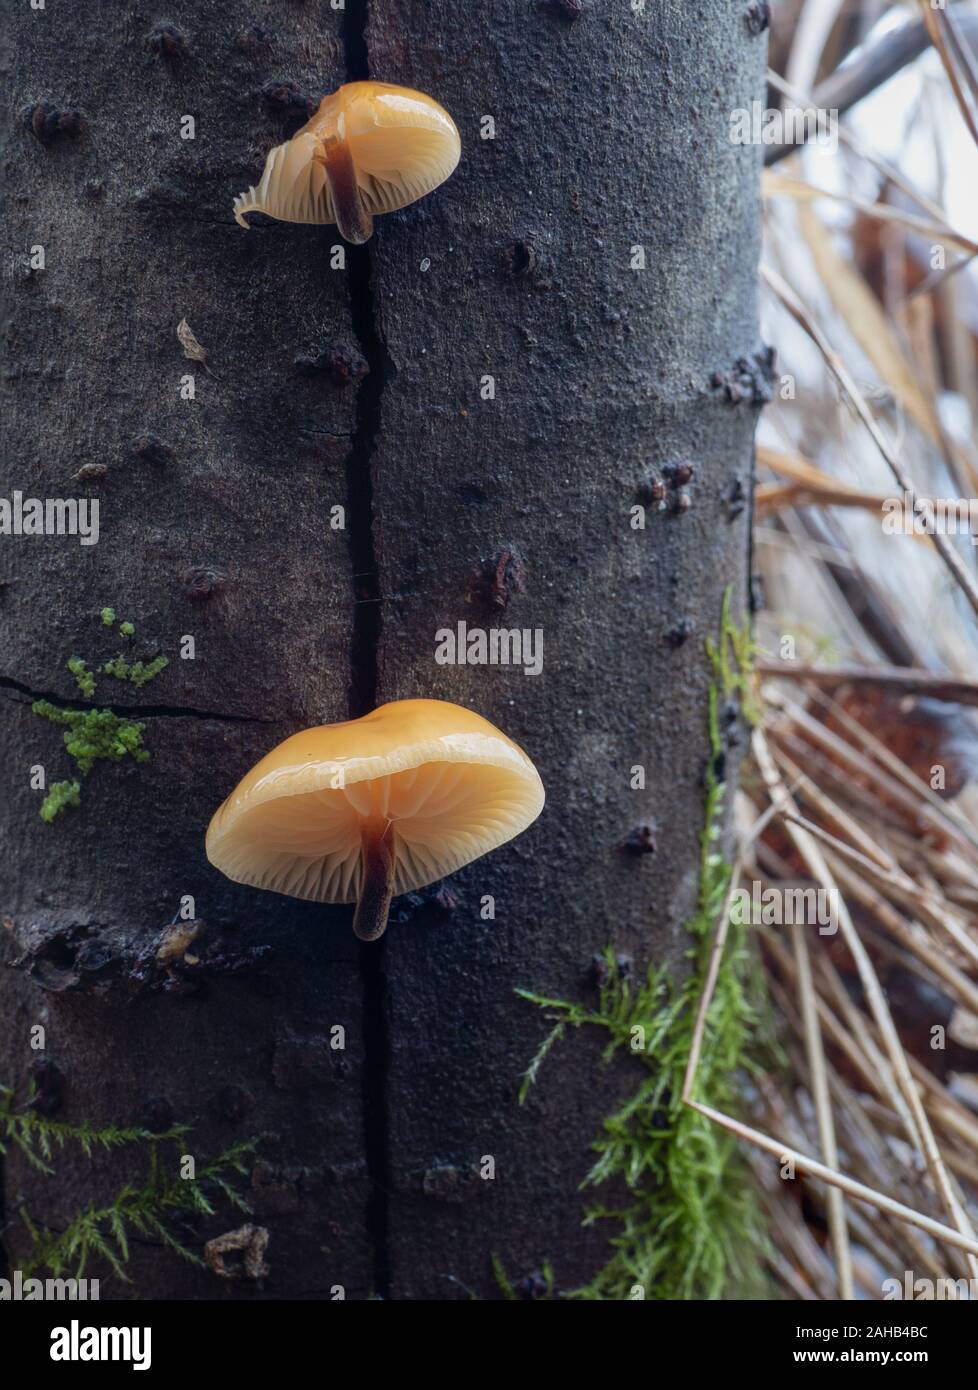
x=354 y=221
x=377 y=883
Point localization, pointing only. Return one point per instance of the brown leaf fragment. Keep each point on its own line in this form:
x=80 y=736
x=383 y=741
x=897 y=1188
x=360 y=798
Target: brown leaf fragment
x=192 y=349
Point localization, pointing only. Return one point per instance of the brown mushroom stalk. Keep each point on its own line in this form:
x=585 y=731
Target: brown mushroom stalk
x=352 y=219
x=378 y=862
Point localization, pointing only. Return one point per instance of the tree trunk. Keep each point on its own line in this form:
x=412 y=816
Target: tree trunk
x=505 y=502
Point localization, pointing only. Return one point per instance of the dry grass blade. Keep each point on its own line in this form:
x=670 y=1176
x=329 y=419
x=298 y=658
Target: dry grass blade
x=773 y=497
x=955 y=689
x=809 y=486
x=935 y=20
x=884 y=167
x=935 y=229
x=875 y=998
x=823 y=1107
x=793 y=304
x=882 y=696
x=930 y=909
x=842 y=374
x=803 y=1163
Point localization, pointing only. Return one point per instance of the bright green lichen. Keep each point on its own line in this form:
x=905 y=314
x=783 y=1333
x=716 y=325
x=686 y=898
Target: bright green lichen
x=108 y=617
x=690 y=1227
x=60 y=796
x=84 y=678
x=127 y=629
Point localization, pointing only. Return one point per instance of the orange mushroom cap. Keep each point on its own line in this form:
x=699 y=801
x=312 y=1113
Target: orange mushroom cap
x=438 y=783
x=370 y=148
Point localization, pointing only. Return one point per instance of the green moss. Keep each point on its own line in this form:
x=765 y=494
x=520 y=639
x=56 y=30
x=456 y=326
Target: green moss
x=60 y=796
x=690 y=1227
x=38 y=1137
x=108 y=616
x=731 y=657
x=95 y=735
x=84 y=678
x=505 y=1287
x=100 y=1235
x=138 y=673
x=502 y=1280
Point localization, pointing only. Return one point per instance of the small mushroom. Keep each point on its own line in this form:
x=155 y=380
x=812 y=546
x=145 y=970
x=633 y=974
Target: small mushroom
x=370 y=148
x=378 y=806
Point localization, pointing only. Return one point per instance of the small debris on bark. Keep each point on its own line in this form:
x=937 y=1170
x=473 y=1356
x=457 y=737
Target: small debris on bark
x=168 y=42
x=343 y=363
x=76 y=958
x=48 y=1086
x=736 y=499
x=679 y=474
x=285 y=99
x=446 y=1182
x=254 y=39
x=175 y=941
x=180 y=961
x=90 y=473
x=651 y=491
x=496 y=579
x=598 y=971
x=680 y=632
x=239 y=1254
x=192 y=349
x=749 y=379
x=642 y=840
x=758 y=17
x=202 y=582
x=49 y=123
x=569 y=10
x=151 y=450
x=429 y=906
x=534 y=1286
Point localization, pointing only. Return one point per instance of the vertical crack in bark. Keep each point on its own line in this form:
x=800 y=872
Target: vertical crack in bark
x=367 y=624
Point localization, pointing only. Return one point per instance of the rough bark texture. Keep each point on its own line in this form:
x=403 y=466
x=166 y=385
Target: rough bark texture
x=610 y=133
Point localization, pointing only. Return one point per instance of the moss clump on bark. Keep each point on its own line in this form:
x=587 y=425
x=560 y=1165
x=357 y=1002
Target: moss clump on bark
x=691 y=1226
x=84 y=678
x=60 y=796
x=101 y=1234
x=138 y=673
x=97 y=735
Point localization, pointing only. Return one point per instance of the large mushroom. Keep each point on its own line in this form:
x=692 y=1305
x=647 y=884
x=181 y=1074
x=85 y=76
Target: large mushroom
x=370 y=148
x=364 y=810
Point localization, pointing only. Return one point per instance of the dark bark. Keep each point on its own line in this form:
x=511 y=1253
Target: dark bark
x=611 y=132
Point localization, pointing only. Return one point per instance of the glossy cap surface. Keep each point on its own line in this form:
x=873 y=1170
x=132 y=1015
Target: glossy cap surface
x=451 y=784
x=400 y=142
